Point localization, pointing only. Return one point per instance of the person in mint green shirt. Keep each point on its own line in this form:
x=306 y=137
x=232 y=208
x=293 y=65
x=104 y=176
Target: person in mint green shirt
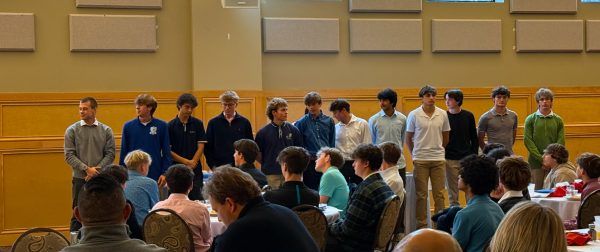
x=542 y=128
x=333 y=188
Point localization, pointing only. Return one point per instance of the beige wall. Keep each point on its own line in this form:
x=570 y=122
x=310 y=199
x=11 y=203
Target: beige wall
x=53 y=68
x=345 y=70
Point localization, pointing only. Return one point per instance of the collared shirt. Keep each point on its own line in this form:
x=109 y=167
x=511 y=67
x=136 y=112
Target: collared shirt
x=538 y=113
x=428 y=138
x=386 y=128
x=475 y=224
x=142 y=192
x=195 y=214
x=349 y=136
x=95 y=123
x=184 y=139
x=220 y=136
x=499 y=128
x=88 y=146
x=316 y=132
x=334 y=185
x=510 y=194
x=271 y=140
x=394 y=181
x=356 y=232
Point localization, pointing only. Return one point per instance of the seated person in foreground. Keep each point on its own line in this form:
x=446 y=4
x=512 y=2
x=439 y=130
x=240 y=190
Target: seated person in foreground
x=528 y=227
x=140 y=190
x=356 y=231
x=119 y=173
x=588 y=169
x=556 y=159
x=245 y=154
x=475 y=224
x=428 y=240
x=333 y=188
x=102 y=210
x=294 y=161
x=389 y=168
x=514 y=178
x=180 y=181
x=253 y=224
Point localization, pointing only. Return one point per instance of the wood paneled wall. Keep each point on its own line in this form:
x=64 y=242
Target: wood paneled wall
x=35 y=181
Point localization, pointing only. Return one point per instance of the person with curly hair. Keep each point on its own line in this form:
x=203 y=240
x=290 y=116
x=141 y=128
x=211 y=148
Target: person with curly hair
x=475 y=225
x=556 y=159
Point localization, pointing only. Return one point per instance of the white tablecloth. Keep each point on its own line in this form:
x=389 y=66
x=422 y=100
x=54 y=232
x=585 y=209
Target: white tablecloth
x=410 y=218
x=217 y=227
x=566 y=209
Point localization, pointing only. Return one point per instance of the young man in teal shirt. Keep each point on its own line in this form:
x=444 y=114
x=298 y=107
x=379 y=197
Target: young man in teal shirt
x=333 y=188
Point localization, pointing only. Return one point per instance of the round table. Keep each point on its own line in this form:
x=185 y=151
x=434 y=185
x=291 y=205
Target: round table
x=566 y=209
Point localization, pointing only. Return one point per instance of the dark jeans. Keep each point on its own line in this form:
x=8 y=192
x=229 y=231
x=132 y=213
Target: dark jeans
x=311 y=177
x=77 y=184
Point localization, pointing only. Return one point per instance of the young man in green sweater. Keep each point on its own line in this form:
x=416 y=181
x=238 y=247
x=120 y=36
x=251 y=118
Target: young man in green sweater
x=542 y=128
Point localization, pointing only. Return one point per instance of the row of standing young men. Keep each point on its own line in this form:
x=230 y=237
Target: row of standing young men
x=437 y=139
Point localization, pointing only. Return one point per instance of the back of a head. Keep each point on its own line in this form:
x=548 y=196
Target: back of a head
x=529 y=226
x=230 y=182
x=590 y=163
x=480 y=173
x=295 y=158
x=370 y=153
x=179 y=178
x=498 y=153
x=117 y=172
x=134 y=159
x=248 y=148
x=428 y=240
x=514 y=173
x=490 y=146
x=101 y=201
x=391 y=152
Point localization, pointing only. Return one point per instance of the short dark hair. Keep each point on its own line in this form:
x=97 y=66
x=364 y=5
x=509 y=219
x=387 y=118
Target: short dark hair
x=248 y=148
x=92 y=100
x=339 y=104
x=179 y=178
x=230 y=182
x=558 y=152
x=514 y=173
x=312 y=98
x=369 y=153
x=295 y=158
x=490 y=146
x=498 y=153
x=186 y=98
x=273 y=105
x=101 y=200
x=388 y=94
x=148 y=100
x=427 y=89
x=500 y=90
x=117 y=172
x=590 y=163
x=335 y=156
x=480 y=173
x=391 y=152
x=455 y=94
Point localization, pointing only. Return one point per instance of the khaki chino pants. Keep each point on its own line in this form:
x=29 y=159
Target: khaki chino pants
x=424 y=170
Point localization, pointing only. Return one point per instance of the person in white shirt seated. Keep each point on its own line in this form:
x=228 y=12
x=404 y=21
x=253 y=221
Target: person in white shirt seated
x=180 y=182
x=389 y=168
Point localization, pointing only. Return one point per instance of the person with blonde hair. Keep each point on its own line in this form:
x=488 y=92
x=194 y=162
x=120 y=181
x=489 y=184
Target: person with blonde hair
x=529 y=226
x=140 y=190
x=428 y=240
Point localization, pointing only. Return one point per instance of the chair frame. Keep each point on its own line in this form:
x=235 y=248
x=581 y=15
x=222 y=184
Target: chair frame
x=388 y=203
x=400 y=226
x=38 y=230
x=173 y=213
x=306 y=207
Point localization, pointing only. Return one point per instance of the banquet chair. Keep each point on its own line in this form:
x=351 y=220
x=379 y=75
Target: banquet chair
x=400 y=226
x=167 y=229
x=40 y=239
x=387 y=224
x=315 y=222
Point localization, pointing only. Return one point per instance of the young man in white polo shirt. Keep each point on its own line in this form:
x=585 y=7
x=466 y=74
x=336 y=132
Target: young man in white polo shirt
x=427 y=134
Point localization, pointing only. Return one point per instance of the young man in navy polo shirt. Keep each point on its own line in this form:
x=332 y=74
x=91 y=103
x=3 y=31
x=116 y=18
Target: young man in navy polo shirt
x=187 y=136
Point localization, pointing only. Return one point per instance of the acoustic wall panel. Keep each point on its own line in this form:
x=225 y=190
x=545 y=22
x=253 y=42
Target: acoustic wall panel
x=466 y=35
x=543 y=6
x=301 y=34
x=112 y=32
x=593 y=35
x=549 y=35
x=240 y=3
x=17 y=32
x=385 y=5
x=125 y=4
x=386 y=35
